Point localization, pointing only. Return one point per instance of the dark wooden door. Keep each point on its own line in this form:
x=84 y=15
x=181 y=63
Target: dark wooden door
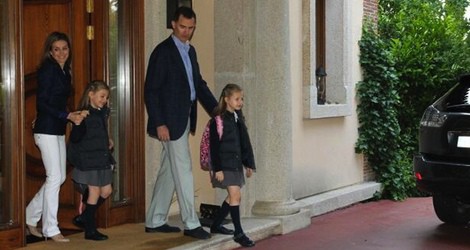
x=39 y=19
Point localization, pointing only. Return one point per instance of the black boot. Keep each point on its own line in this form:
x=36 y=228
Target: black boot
x=240 y=236
x=85 y=196
x=243 y=240
x=88 y=217
x=78 y=220
x=95 y=235
x=217 y=227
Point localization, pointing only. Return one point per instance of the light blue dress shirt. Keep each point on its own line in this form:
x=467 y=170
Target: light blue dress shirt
x=183 y=48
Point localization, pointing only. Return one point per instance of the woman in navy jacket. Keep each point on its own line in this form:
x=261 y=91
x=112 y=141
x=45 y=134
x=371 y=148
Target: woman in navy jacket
x=54 y=89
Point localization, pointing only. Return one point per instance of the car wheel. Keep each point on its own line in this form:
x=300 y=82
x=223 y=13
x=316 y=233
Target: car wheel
x=451 y=210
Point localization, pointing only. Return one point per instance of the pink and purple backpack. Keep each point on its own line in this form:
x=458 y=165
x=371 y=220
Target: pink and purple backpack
x=205 y=149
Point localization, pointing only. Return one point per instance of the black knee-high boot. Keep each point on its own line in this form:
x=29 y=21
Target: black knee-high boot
x=216 y=226
x=85 y=195
x=235 y=214
x=88 y=217
x=79 y=219
x=239 y=236
x=100 y=201
x=221 y=214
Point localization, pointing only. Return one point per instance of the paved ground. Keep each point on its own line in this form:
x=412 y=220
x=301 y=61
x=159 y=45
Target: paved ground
x=384 y=224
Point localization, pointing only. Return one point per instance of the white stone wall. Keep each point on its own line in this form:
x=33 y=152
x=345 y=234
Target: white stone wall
x=324 y=157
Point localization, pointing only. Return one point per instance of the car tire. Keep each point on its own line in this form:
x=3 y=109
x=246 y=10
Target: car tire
x=450 y=209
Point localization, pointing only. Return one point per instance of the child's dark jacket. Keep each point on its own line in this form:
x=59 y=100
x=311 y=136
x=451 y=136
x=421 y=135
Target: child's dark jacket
x=233 y=150
x=88 y=148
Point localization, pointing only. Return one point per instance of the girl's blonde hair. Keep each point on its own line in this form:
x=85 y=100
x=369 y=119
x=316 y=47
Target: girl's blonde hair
x=93 y=86
x=228 y=91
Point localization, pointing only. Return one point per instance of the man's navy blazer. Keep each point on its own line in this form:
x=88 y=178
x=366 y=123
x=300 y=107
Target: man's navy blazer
x=167 y=92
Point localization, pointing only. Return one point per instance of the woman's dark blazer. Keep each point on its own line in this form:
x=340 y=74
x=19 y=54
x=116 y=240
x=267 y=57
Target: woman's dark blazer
x=167 y=92
x=54 y=89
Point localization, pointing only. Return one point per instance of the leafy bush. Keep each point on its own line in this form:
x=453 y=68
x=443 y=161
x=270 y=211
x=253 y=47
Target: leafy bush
x=414 y=56
x=429 y=43
x=379 y=131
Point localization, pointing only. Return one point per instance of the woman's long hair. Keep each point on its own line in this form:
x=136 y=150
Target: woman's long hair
x=51 y=39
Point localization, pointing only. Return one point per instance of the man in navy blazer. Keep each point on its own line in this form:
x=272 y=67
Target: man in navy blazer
x=172 y=86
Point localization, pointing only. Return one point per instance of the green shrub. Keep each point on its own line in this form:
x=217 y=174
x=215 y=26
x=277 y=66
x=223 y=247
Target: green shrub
x=414 y=56
x=379 y=130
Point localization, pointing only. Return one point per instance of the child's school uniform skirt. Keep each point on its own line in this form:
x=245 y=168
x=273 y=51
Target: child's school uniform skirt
x=231 y=178
x=99 y=178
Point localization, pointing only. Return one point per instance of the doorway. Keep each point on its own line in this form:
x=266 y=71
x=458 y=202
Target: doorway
x=107 y=44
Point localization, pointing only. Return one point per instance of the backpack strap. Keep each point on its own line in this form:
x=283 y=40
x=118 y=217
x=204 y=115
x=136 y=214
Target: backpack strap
x=220 y=126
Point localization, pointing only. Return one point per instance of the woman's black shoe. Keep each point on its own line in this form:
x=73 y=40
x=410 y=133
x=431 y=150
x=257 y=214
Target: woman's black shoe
x=243 y=240
x=95 y=235
x=221 y=230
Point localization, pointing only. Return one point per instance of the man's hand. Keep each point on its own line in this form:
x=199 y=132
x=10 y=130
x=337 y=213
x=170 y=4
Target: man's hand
x=163 y=134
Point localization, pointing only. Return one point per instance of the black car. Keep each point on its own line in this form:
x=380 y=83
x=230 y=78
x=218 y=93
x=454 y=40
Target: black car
x=443 y=166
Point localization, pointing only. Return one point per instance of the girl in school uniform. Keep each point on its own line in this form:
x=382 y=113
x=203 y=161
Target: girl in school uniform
x=230 y=156
x=89 y=151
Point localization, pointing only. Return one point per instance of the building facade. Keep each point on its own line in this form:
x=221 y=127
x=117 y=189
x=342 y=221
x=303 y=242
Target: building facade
x=298 y=62
x=302 y=148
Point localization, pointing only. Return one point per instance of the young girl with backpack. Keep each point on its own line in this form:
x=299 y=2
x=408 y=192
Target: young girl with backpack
x=89 y=151
x=230 y=155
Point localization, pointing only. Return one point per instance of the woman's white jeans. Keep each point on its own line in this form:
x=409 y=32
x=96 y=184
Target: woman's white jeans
x=46 y=201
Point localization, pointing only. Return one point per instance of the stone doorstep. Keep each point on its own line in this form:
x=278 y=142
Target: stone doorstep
x=339 y=198
x=258 y=228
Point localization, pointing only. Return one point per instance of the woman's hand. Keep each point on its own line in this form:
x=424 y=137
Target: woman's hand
x=84 y=113
x=77 y=116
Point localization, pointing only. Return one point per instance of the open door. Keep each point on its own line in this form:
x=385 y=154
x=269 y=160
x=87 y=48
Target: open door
x=39 y=19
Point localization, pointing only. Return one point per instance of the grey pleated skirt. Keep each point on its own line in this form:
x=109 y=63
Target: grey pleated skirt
x=99 y=178
x=231 y=178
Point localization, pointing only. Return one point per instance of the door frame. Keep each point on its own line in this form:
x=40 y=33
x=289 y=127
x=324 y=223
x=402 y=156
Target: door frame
x=12 y=235
x=132 y=207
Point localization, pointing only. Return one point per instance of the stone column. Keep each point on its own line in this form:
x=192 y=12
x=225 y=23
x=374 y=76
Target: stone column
x=274 y=120
x=252 y=49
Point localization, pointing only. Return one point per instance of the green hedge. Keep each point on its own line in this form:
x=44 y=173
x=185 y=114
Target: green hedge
x=413 y=56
